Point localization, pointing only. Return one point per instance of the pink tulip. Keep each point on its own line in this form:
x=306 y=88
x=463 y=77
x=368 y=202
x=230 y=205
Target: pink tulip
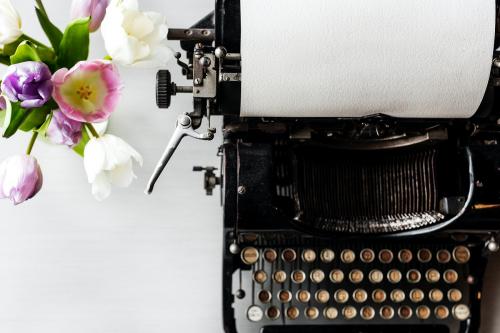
x=96 y=9
x=20 y=178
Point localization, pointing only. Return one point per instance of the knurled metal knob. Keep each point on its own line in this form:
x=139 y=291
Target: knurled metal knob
x=164 y=89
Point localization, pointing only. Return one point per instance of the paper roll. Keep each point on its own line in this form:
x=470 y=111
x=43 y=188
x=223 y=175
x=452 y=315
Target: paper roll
x=353 y=58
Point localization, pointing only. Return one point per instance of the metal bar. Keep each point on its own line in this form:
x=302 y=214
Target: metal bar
x=202 y=35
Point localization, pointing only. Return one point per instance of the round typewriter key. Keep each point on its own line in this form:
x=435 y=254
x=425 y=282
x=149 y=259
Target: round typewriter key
x=330 y=313
x=292 y=313
x=356 y=276
x=249 y=255
x=327 y=256
x=432 y=275
x=279 y=276
x=413 y=276
x=394 y=276
x=405 y=256
x=405 y=312
x=298 y=276
x=436 y=295
x=260 y=276
x=443 y=256
x=312 y=312
x=441 y=312
x=349 y=312
x=322 y=296
x=375 y=276
x=385 y=256
x=367 y=312
x=454 y=295
x=317 y=275
x=378 y=296
x=461 y=254
x=336 y=276
x=265 y=296
x=308 y=255
x=303 y=296
x=273 y=313
x=341 y=296
x=284 y=296
x=397 y=295
x=288 y=255
x=386 y=312
x=359 y=295
x=347 y=256
x=416 y=295
x=423 y=312
x=450 y=276
x=460 y=312
x=424 y=255
x=270 y=255
x=255 y=313
x=367 y=255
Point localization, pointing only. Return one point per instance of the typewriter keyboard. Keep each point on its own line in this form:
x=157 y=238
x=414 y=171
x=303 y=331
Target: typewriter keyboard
x=383 y=285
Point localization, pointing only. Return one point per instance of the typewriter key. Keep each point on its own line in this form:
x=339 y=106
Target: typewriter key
x=367 y=312
x=356 y=276
x=450 y=276
x=460 y=312
x=441 y=312
x=443 y=256
x=312 y=312
x=308 y=256
x=317 y=275
x=273 y=313
x=303 y=296
x=336 y=276
x=249 y=255
x=385 y=256
x=347 y=256
x=454 y=295
x=423 y=312
x=284 y=296
x=432 y=275
x=327 y=256
x=288 y=255
x=349 y=312
x=367 y=255
x=416 y=295
x=461 y=254
x=394 y=276
x=330 y=313
x=255 y=313
x=405 y=256
x=298 y=276
x=260 y=276
x=360 y=296
x=413 y=276
x=386 y=312
x=270 y=255
x=397 y=295
x=341 y=296
x=436 y=295
x=292 y=313
x=405 y=312
x=279 y=276
x=322 y=296
x=378 y=296
x=375 y=276
x=424 y=255
x=265 y=296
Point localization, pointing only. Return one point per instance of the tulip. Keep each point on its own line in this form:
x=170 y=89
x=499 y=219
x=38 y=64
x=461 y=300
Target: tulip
x=10 y=23
x=63 y=130
x=108 y=160
x=28 y=82
x=96 y=9
x=135 y=38
x=20 y=178
x=88 y=92
x=3 y=103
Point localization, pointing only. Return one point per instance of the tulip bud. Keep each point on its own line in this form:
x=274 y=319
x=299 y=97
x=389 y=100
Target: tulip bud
x=96 y=9
x=20 y=178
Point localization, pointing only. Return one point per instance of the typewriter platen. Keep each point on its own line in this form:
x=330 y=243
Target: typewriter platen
x=365 y=225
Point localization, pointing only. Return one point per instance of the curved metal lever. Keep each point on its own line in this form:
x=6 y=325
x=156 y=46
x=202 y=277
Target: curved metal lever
x=184 y=128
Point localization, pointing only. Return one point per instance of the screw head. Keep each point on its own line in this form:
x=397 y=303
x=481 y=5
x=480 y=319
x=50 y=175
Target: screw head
x=197 y=81
x=234 y=248
x=493 y=246
x=205 y=61
x=184 y=120
x=242 y=189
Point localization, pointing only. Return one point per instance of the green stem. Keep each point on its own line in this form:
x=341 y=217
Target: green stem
x=92 y=130
x=32 y=142
x=34 y=41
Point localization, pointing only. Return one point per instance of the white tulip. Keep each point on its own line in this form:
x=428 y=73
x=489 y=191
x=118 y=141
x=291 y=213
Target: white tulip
x=135 y=38
x=10 y=23
x=108 y=160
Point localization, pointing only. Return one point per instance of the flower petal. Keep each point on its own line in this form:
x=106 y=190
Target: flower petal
x=122 y=175
x=101 y=187
x=94 y=159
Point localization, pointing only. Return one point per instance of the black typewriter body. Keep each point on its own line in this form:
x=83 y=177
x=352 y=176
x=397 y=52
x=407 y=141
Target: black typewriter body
x=345 y=225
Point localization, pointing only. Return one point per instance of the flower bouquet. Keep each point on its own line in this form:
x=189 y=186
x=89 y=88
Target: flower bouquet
x=56 y=93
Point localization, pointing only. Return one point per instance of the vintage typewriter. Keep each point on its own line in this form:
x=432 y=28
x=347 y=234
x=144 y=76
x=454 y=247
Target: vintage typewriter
x=369 y=225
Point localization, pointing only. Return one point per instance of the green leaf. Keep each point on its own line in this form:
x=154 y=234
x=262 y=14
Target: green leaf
x=80 y=147
x=53 y=33
x=74 y=45
x=4 y=60
x=13 y=119
x=34 y=119
x=25 y=52
x=10 y=49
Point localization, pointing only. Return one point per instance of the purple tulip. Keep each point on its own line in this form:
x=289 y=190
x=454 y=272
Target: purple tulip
x=96 y=9
x=20 y=178
x=63 y=130
x=28 y=82
x=3 y=103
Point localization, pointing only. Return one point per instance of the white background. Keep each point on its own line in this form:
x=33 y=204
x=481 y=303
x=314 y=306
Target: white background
x=134 y=263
